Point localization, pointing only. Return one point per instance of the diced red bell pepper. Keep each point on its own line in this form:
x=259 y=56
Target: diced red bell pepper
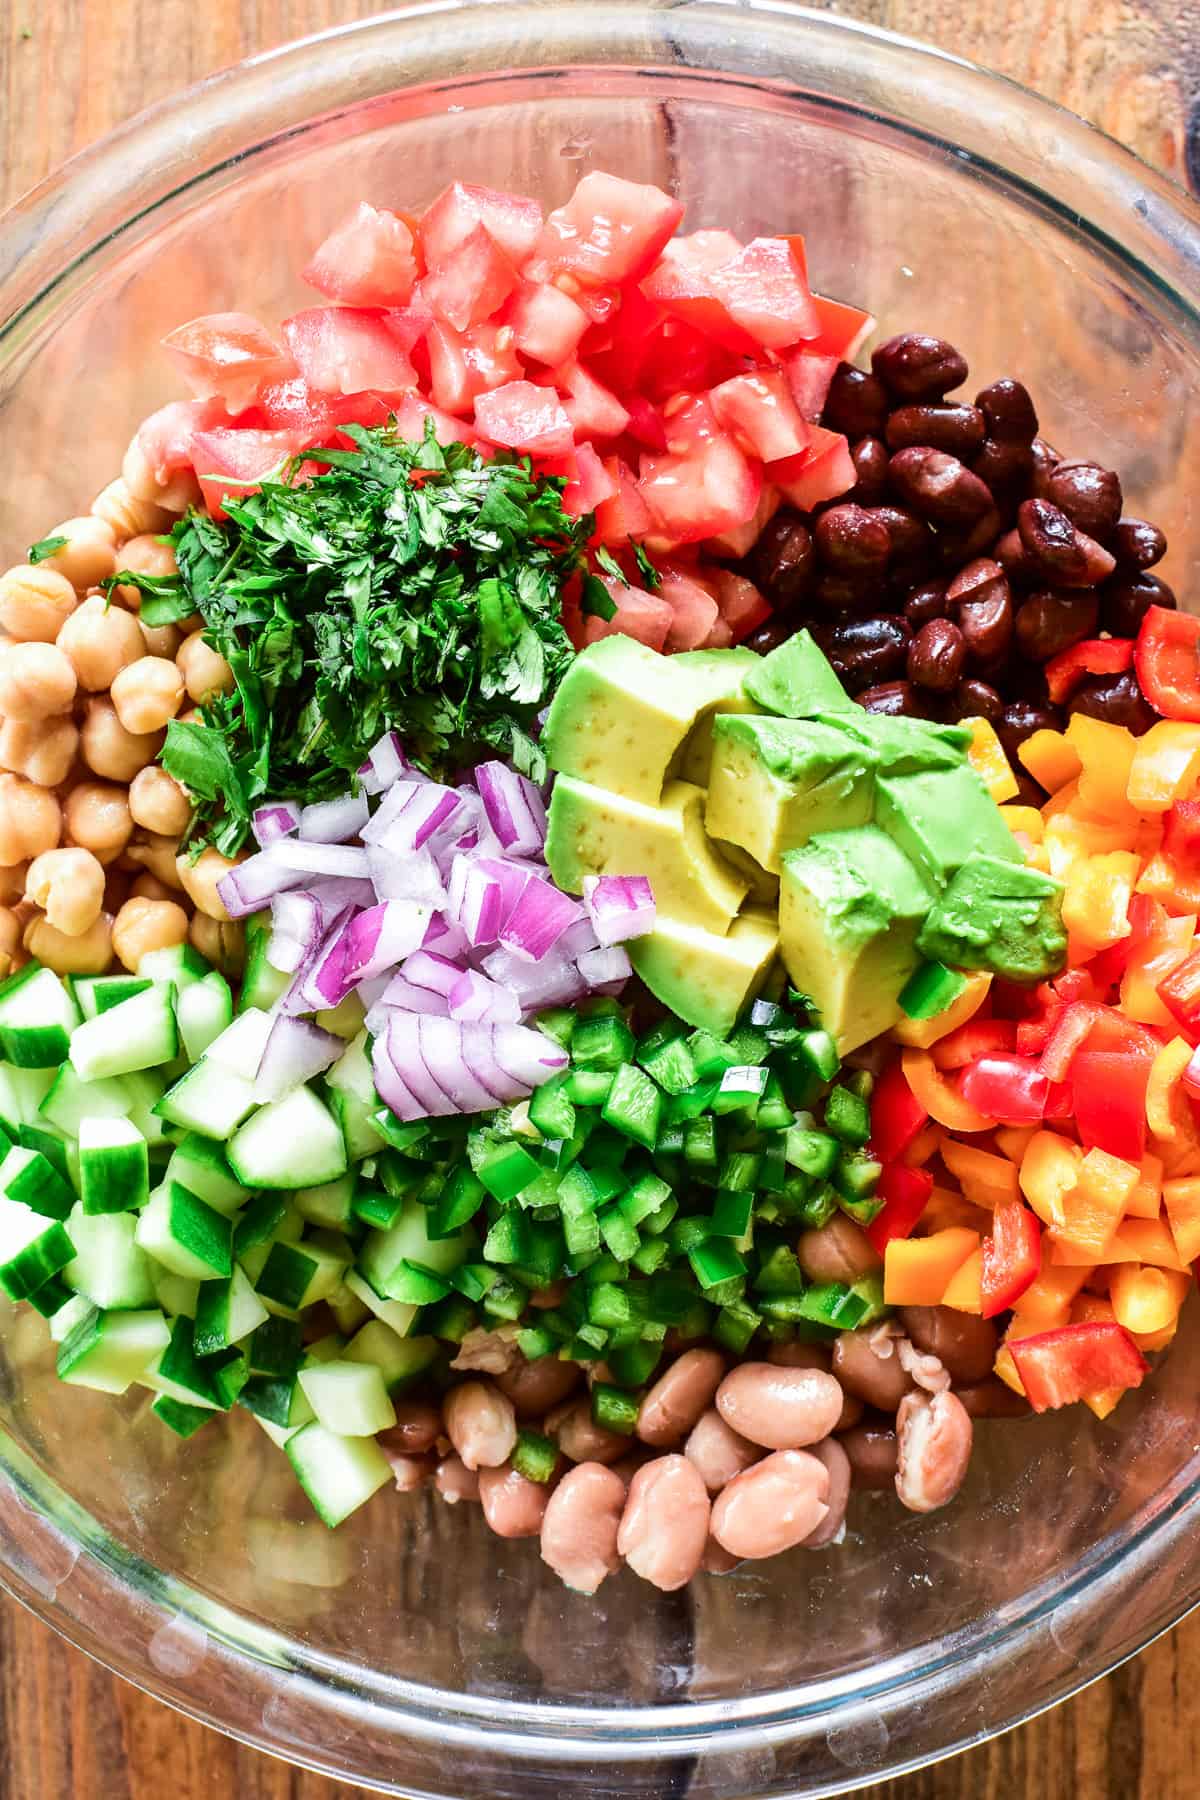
x=1111 y=1030
x=1107 y=968
x=904 y=1193
x=896 y=1115
x=1012 y=1256
x=1066 y=1037
x=1060 y=1367
x=1109 y=1090
x=1180 y=991
x=1094 y=656
x=1167 y=659
x=1034 y=1034
x=978 y=1037
x=1012 y=1088
x=1181 y=838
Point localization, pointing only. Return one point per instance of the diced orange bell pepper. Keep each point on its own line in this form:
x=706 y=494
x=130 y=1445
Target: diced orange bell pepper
x=939 y=1096
x=1146 y=1198
x=1049 y=1170
x=1104 y=1401
x=1147 y=1299
x=1150 y=1241
x=985 y=1178
x=1092 y=1209
x=985 y=753
x=1005 y=1370
x=964 y=1291
x=921 y=1148
x=1181 y=1201
x=1152 y=963
x=1095 y=906
x=920 y=1033
x=1025 y=819
x=1050 y=759
x=1048 y=1298
x=1168 y=1109
x=917 y=1271
x=1066 y=1254
x=1148 y=1341
x=945 y=1208
x=1014 y=1140
x=1165 y=766
x=1178 y=889
x=1106 y=752
x=1091 y=1309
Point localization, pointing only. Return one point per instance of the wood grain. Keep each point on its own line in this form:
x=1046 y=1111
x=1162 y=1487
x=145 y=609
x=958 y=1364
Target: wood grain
x=70 y=69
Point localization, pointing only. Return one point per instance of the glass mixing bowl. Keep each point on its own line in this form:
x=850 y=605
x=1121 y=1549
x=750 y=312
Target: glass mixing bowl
x=413 y=1652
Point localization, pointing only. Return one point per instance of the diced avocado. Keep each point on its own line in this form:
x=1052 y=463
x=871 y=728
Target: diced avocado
x=720 y=677
x=705 y=979
x=850 y=907
x=776 y=782
x=622 y=712
x=762 y=885
x=594 y=832
x=797 y=681
x=939 y=817
x=998 y=915
x=905 y=746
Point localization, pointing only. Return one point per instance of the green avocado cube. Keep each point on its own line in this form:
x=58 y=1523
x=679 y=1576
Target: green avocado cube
x=940 y=817
x=903 y=746
x=720 y=677
x=797 y=681
x=998 y=915
x=850 y=907
x=775 y=783
x=705 y=979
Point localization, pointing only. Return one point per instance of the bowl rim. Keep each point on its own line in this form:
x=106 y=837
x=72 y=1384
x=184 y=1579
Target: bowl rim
x=142 y=155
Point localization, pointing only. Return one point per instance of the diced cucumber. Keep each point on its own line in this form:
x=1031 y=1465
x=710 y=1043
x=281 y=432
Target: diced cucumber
x=37 y=1016
x=276 y=1348
x=21 y=1094
x=70 y=1101
x=385 y=1256
x=268 y=1216
x=350 y=1085
x=203 y=1010
x=262 y=983
x=31 y=1179
x=108 y=1264
x=59 y=1150
x=399 y=1360
x=347 y=1309
x=348 y=1398
x=240 y=1046
x=180 y=964
x=292 y=1143
x=96 y=994
x=326 y=1350
x=64 y=1321
x=345 y=1019
x=338 y=1474
x=298 y=1275
x=145 y=1088
x=32 y=1248
x=51 y=1297
x=200 y=1165
x=393 y=1312
x=185 y=1234
x=138 y=1034
x=278 y=1434
x=280 y=1399
x=112 y=1350
x=210 y=1100
x=226 y=1312
x=332 y=1204
x=178 y=1371
x=178 y=1295
x=181 y=1417
x=230 y=1373
x=114 y=1166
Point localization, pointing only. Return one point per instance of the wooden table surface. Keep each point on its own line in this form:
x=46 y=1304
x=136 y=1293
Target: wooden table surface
x=70 y=69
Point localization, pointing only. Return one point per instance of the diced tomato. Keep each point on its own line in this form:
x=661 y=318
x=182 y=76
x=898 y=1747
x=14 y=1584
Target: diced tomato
x=1094 y=656
x=471 y=284
x=234 y=463
x=741 y=539
x=610 y=230
x=463 y=364
x=698 y=495
x=413 y=414
x=681 y=359
x=743 y=607
x=1109 y=1091
x=691 y=423
x=514 y=220
x=1006 y=1087
x=809 y=376
x=1167 y=660
x=1012 y=1256
x=227 y=354
x=367 y=260
x=765 y=290
x=822 y=472
x=896 y=1115
x=546 y=323
x=694 y=610
x=978 y=1037
x=165 y=438
x=646 y=424
x=523 y=416
x=345 y=350
x=619 y=351
x=592 y=409
x=759 y=412
x=844 y=329
x=1060 y=1367
x=905 y=1194
x=589 y=483
x=639 y=615
x=680 y=283
x=601 y=304
x=720 y=637
x=293 y=406
x=625 y=515
x=408 y=324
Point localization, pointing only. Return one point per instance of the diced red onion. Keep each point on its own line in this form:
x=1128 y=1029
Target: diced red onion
x=442 y=1053
x=298 y=922
x=276 y=821
x=406 y=1050
x=514 y=808
x=479 y=1054
x=426 y=969
x=473 y=998
x=552 y=982
x=320 y=859
x=528 y=1056
x=411 y=876
x=538 y=920
x=405 y=996
x=295 y=1052
x=247 y=887
x=606 y=971
x=320 y=981
x=383 y=936
x=476 y=900
x=425 y=808
x=391 y=1087
x=577 y=939
x=385 y=765
x=446 y=938
x=371 y=991
x=620 y=906
x=389 y=809
x=334 y=821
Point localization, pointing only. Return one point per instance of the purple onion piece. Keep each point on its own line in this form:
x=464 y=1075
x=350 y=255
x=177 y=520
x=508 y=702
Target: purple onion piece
x=404 y=996
x=479 y=1054
x=475 y=998
x=605 y=969
x=392 y=1089
x=514 y=808
x=406 y=1052
x=441 y=1043
x=528 y=1056
x=426 y=969
x=320 y=859
x=296 y=1051
x=538 y=920
x=248 y=886
x=385 y=765
x=334 y=821
x=276 y=821
x=620 y=906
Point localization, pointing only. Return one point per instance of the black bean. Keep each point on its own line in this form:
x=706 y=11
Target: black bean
x=852 y=541
x=1138 y=544
x=1006 y=467
x=870 y=458
x=776 y=631
x=1020 y=719
x=1065 y=555
x=868 y=651
x=956 y=547
x=1047 y=623
x=1089 y=495
x=892 y=698
x=1009 y=411
x=957 y=429
x=1126 y=599
x=914 y=367
x=981 y=606
x=936 y=656
x=856 y=404
x=1029 y=792
x=833 y=592
x=1045 y=460
x=782 y=561
x=1115 y=698
x=938 y=487
x=925 y=603
x=976 y=700
x=981 y=579
x=910 y=538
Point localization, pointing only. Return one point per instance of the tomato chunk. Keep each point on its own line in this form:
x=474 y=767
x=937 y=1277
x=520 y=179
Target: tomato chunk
x=523 y=416
x=825 y=470
x=293 y=406
x=679 y=282
x=473 y=284
x=546 y=323
x=345 y=350
x=589 y=483
x=844 y=329
x=234 y=463
x=759 y=412
x=367 y=260
x=625 y=514
x=739 y=540
x=765 y=291
x=638 y=615
x=610 y=230
x=1060 y=1367
x=705 y=491
x=463 y=364
x=514 y=220
x=743 y=607
x=165 y=438
x=809 y=377
x=694 y=611
x=227 y=354
x=1167 y=660
x=592 y=409
x=413 y=414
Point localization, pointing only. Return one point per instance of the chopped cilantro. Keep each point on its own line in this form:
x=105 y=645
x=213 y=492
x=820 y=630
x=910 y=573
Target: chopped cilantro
x=46 y=547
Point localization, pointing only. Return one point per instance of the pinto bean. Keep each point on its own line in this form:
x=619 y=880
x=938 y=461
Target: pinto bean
x=410 y=1472
x=513 y=1505
x=773 y=1506
x=963 y=1342
x=993 y=1400
x=866 y=1362
x=797 y=1355
x=873 y=1451
x=717 y=1560
x=581 y=1439
x=782 y=1409
x=664 y=1528
x=580 y=1526
x=455 y=1482
x=417 y=1429
x=831 y=1453
x=536 y=1387
x=480 y=1423
x=718 y=1451
x=678 y=1398
x=839 y=1251
x=934 y=1433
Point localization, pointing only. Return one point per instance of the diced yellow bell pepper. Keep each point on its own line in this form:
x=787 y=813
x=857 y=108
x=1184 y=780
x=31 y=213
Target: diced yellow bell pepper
x=1065 y=1253
x=985 y=753
x=920 y=1033
x=1069 y=836
x=1168 y=1109
x=1181 y=1202
x=1109 y=1179
x=1149 y=1341
x=1178 y=889
x=1147 y=1299
x=1146 y=1198
x=1096 y=899
x=917 y=1271
x=1005 y=1368
x=1025 y=819
x=1048 y=1297
x=1106 y=752
x=1150 y=1241
x=945 y=1208
x=1049 y=1170
x=922 y=1148
x=1104 y=1401
x=939 y=1096
x=1165 y=766
x=1014 y=1140
x=964 y=1290
x=1091 y=1309
x=985 y=1179
x=1050 y=759
x=1151 y=964
x=1092 y=1209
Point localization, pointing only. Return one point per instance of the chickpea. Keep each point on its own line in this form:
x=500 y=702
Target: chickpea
x=145 y=555
x=200 y=880
x=147 y=693
x=162 y=641
x=44 y=754
x=88 y=954
x=98 y=819
x=158 y=855
x=205 y=671
x=223 y=944
x=10 y=938
x=12 y=883
x=89 y=555
x=176 y=494
x=110 y=750
x=129 y=516
x=149 y=887
x=145 y=925
x=158 y=803
x=36 y=682
x=35 y=603
x=100 y=640
x=69 y=887
x=30 y=820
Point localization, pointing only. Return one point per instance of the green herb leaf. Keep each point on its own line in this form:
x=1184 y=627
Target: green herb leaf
x=646 y=568
x=596 y=599
x=46 y=547
x=607 y=561
x=198 y=756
